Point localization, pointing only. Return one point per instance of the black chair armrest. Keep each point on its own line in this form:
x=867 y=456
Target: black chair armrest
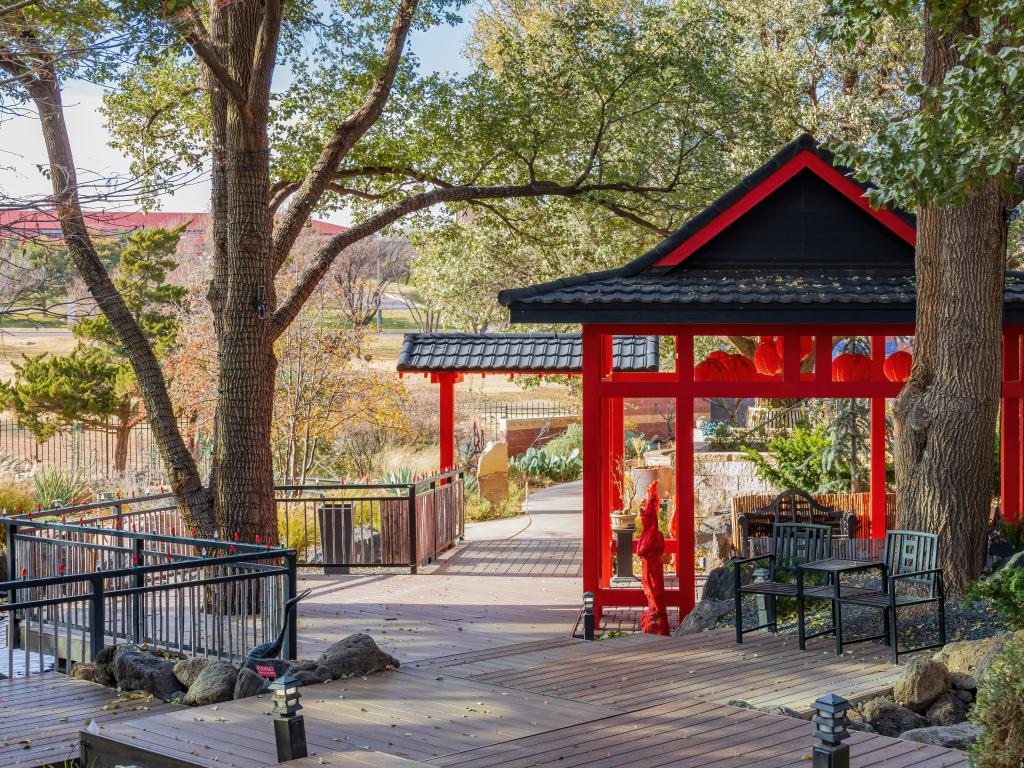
x=738 y=561
x=916 y=574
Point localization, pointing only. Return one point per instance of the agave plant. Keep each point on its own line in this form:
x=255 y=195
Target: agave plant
x=58 y=486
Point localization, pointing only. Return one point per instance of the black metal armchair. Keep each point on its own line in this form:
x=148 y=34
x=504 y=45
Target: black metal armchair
x=793 y=544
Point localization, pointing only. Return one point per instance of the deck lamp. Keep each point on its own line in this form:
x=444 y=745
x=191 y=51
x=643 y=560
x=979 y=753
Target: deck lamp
x=588 y=615
x=289 y=728
x=830 y=722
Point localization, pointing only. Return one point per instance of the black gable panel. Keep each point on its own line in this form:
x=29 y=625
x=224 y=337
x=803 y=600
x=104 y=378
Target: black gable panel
x=805 y=223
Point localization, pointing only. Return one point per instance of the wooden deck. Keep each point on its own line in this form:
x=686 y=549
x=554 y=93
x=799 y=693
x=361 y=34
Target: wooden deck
x=41 y=716
x=642 y=701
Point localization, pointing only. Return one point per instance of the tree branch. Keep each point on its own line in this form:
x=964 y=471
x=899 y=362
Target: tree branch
x=629 y=215
x=345 y=136
x=205 y=48
x=16 y=6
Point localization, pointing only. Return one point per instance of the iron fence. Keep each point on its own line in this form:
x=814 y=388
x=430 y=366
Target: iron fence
x=75 y=588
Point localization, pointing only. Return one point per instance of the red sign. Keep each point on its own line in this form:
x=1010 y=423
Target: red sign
x=266 y=670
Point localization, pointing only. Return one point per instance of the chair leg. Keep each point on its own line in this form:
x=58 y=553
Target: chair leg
x=739 y=609
x=894 y=648
x=800 y=628
x=772 y=621
x=885 y=626
x=942 y=618
x=838 y=611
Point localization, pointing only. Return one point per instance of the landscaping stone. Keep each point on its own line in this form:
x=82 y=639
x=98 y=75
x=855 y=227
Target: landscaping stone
x=704 y=616
x=889 y=718
x=214 y=683
x=959 y=736
x=972 y=657
x=138 y=669
x=948 y=709
x=961 y=681
x=768 y=709
x=104 y=673
x=249 y=684
x=310 y=672
x=720 y=585
x=356 y=655
x=84 y=670
x=922 y=681
x=860 y=725
x=188 y=670
x=967 y=697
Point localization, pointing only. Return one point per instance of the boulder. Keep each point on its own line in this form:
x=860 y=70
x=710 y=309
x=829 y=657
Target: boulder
x=310 y=672
x=188 y=670
x=356 y=655
x=948 y=709
x=704 y=616
x=720 y=585
x=770 y=709
x=974 y=657
x=889 y=718
x=959 y=736
x=967 y=697
x=214 y=683
x=139 y=669
x=104 y=673
x=249 y=684
x=961 y=681
x=922 y=681
x=84 y=670
x=860 y=725
x=280 y=665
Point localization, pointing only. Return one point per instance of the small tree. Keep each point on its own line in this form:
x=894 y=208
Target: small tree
x=94 y=386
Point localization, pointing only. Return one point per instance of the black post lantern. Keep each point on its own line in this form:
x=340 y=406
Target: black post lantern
x=289 y=728
x=588 y=615
x=831 y=722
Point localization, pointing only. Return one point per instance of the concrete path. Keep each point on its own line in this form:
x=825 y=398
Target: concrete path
x=513 y=580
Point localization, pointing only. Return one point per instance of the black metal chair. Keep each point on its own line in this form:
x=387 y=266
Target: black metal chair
x=792 y=544
x=793 y=506
x=910 y=561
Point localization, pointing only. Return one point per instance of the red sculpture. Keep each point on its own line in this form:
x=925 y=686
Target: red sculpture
x=650 y=547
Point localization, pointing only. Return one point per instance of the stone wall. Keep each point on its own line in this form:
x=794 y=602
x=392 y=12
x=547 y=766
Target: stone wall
x=719 y=477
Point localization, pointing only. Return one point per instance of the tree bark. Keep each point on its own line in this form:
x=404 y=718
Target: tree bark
x=945 y=418
x=122 y=435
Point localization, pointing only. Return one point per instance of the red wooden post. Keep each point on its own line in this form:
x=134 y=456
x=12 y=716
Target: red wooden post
x=878 y=521
x=1010 y=470
x=592 y=461
x=447 y=431
x=614 y=446
x=684 y=536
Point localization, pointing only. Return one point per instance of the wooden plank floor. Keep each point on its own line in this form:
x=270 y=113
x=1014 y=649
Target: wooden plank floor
x=640 y=701
x=642 y=670
x=41 y=715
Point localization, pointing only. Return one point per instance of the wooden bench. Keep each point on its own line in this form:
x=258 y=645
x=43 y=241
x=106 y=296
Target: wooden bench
x=793 y=506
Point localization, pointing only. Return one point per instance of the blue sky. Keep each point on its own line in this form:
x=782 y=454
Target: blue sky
x=21 y=148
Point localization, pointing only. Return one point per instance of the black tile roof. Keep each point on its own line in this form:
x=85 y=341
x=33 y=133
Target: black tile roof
x=517 y=352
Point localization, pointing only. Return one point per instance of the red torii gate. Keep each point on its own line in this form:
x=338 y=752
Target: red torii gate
x=794 y=251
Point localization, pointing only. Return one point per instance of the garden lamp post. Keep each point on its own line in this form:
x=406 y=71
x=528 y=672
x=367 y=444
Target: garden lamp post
x=588 y=615
x=289 y=728
x=831 y=721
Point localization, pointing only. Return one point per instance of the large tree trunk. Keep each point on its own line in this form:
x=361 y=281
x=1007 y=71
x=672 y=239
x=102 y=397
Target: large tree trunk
x=184 y=475
x=945 y=418
x=122 y=435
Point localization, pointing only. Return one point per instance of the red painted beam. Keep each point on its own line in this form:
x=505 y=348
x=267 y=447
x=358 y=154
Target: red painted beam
x=1010 y=469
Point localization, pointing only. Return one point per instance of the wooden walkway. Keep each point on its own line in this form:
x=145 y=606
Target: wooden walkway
x=41 y=715
x=640 y=701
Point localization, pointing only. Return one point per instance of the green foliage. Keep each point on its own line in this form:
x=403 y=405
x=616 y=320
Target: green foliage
x=571 y=439
x=1005 y=588
x=58 y=486
x=15 y=496
x=1012 y=534
x=538 y=463
x=999 y=710
x=970 y=124
x=479 y=509
x=799 y=459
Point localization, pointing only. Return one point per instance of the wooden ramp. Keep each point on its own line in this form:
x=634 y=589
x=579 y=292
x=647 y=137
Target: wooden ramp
x=640 y=701
x=41 y=716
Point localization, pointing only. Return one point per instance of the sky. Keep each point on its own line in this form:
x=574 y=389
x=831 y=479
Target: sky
x=21 y=147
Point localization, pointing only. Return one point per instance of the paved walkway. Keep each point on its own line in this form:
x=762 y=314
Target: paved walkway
x=512 y=581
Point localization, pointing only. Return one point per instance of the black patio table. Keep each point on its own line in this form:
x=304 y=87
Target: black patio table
x=833 y=568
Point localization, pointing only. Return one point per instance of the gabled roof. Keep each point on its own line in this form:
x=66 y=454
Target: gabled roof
x=798 y=230
x=517 y=353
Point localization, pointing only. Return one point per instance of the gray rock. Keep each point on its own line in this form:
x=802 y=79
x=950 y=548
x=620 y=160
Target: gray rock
x=280 y=665
x=959 y=736
x=84 y=670
x=214 y=683
x=860 y=725
x=889 y=718
x=974 y=657
x=1016 y=560
x=249 y=684
x=922 y=681
x=948 y=709
x=139 y=669
x=967 y=697
x=356 y=655
x=704 y=616
x=310 y=672
x=104 y=674
x=188 y=670
x=770 y=709
x=721 y=585
x=961 y=681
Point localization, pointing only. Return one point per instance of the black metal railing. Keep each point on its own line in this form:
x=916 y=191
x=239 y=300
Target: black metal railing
x=73 y=589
